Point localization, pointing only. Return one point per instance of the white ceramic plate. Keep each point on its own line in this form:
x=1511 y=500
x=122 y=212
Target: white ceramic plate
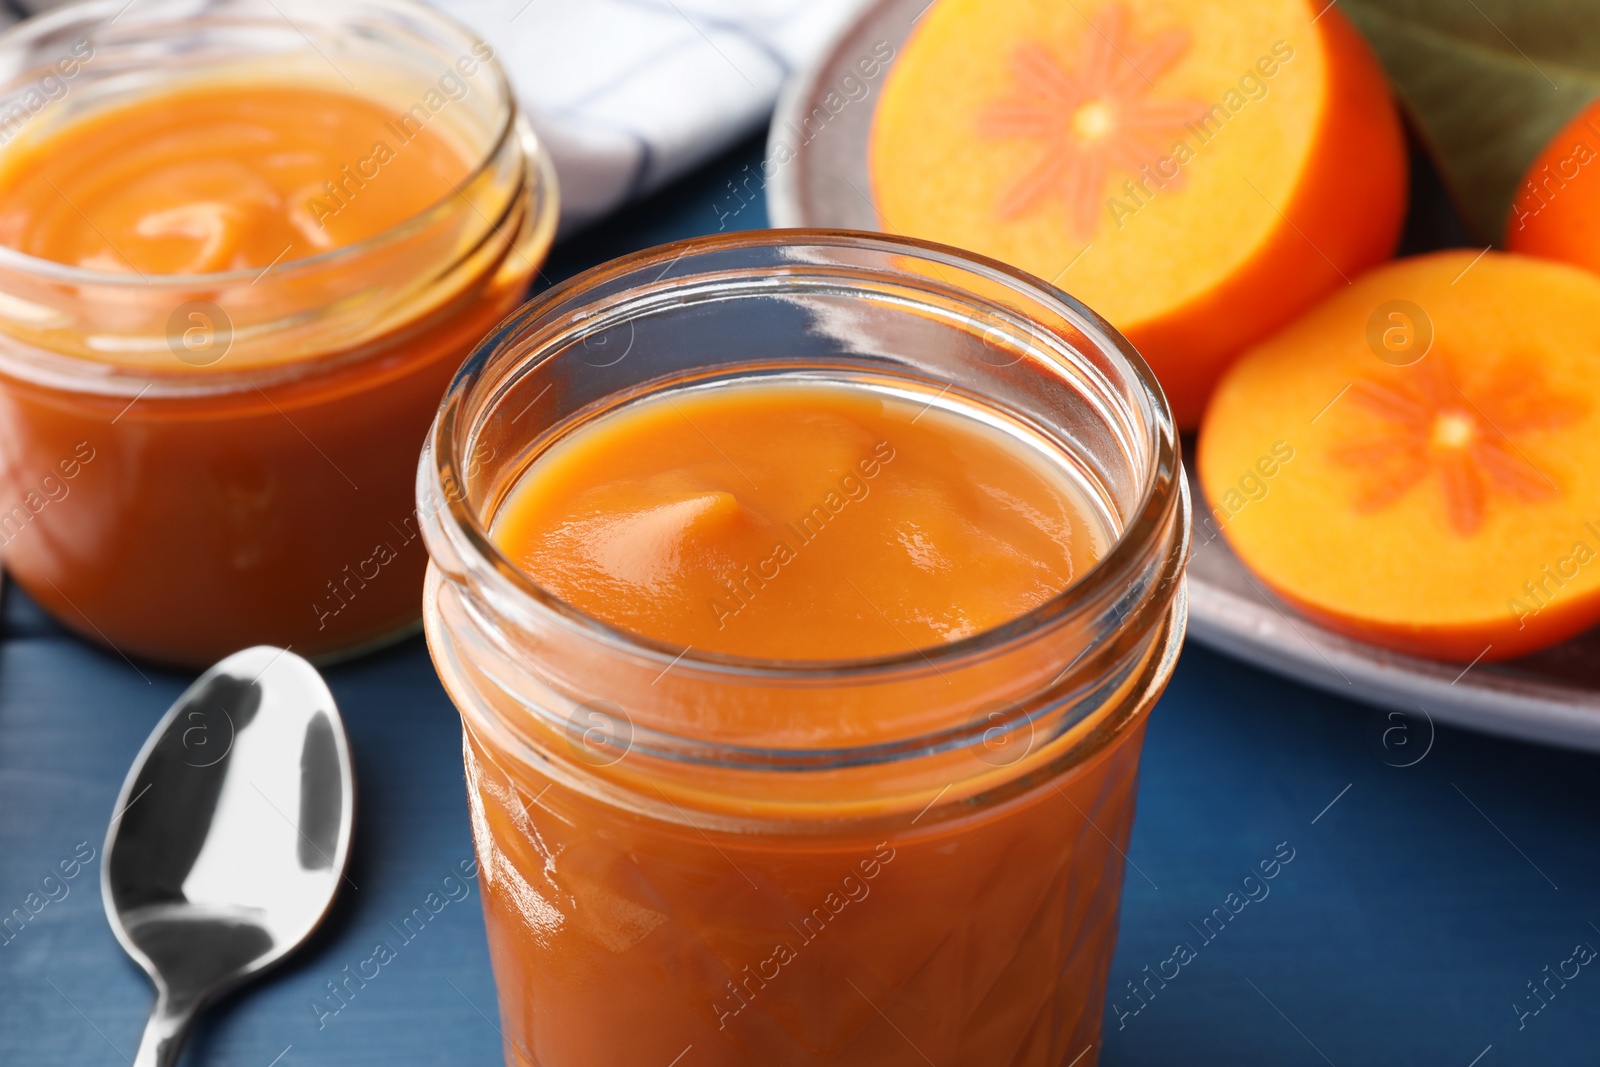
x=823 y=121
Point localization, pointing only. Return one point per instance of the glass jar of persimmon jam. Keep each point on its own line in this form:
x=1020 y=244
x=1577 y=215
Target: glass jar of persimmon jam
x=243 y=247
x=804 y=595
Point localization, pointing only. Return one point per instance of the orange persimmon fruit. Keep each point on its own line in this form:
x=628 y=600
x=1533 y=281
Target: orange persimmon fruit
x=1197 y=171
x=1556 y=213
x=1416 y=461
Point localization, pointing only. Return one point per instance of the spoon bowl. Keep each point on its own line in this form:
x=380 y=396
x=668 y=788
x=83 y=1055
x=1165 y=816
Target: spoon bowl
x=230 y=836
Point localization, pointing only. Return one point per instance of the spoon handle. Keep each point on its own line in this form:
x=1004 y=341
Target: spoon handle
x=164 y=1034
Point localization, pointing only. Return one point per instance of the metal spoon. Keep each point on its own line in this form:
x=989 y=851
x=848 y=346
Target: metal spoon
x=230 y=836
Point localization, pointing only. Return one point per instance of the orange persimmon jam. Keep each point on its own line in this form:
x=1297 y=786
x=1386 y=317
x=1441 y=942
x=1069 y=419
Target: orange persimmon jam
x=223 y=177
x=799 y=522
x=239 y=261
x=804 y=596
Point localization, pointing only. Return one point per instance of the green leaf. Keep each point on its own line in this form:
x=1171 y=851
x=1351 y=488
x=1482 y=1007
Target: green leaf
x=1487 y=82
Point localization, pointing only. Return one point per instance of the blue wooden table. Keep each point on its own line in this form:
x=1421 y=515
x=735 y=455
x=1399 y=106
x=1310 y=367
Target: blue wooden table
x=1426 y=915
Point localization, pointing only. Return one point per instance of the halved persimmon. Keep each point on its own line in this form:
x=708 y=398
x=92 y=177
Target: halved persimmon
x=1433 y=439
x=1556 y=212
x=1197 y=171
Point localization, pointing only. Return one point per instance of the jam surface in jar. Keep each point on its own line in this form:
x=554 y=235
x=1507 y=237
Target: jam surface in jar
x=211 y=178
x=789 y=520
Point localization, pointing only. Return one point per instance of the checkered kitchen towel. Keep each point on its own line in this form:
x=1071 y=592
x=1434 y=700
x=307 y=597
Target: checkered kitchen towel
x=628 y=94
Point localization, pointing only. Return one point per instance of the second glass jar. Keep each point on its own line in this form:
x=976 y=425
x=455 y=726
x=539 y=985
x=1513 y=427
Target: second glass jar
x=198 y=463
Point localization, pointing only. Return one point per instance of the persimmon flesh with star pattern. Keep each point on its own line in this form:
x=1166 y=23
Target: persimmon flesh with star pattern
x=1449 y=507
x=1198 y=172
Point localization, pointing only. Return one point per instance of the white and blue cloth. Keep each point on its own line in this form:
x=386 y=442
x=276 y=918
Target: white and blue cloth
x=628 y=94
